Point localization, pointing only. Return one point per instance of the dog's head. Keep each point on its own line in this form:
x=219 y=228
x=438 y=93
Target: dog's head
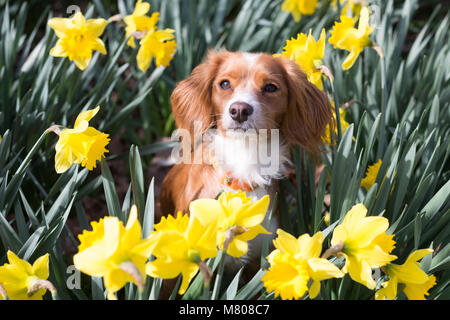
x=235 y=90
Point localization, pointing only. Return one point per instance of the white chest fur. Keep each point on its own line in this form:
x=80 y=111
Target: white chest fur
x=253 y=157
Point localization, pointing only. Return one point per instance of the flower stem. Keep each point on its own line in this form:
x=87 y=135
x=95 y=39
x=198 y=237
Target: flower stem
x=207 y=275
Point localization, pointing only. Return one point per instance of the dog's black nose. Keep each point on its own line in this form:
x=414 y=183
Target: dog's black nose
x=240 y=111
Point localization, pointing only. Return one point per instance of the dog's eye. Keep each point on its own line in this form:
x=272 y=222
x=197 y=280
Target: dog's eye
x=225 y=85
x=270 y=88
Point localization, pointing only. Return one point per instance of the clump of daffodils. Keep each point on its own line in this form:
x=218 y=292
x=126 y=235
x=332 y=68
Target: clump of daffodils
x=154 y=43
x=238 y=219
x=296 y=266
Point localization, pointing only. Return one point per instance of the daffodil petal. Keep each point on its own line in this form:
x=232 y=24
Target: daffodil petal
x=96 y=26
x=59 y=25
x=189 y=272
x=206 y=211
x=15 y=260
x=314 y=289
x=322 y=269
x=286 y=242
x=58 y=50
x=310 y=247
x=40 y=267
x=86 y=116
x=254 y=214
x=389 y=290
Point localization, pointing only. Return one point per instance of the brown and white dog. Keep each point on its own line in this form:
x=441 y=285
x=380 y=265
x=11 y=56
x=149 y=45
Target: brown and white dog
x=236 y=93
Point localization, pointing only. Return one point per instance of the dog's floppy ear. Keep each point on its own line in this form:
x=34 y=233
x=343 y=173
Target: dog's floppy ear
x=308 y=112
x=191 y=99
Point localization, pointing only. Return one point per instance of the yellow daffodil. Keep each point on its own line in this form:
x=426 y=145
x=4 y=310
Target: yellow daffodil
x=82 y=144
x=365 y=244
x=308 y=54
x=299 y=7
x=138 y=21
x=295 y=266
x=352 y=8
x=114 y=252
x=408 y=277
x=181 y=245
x=238 y=219
x=156 y=44
x=345 y=36
x=371 y=175
x=77 y=38
x=23 y=281
x=344 y=124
